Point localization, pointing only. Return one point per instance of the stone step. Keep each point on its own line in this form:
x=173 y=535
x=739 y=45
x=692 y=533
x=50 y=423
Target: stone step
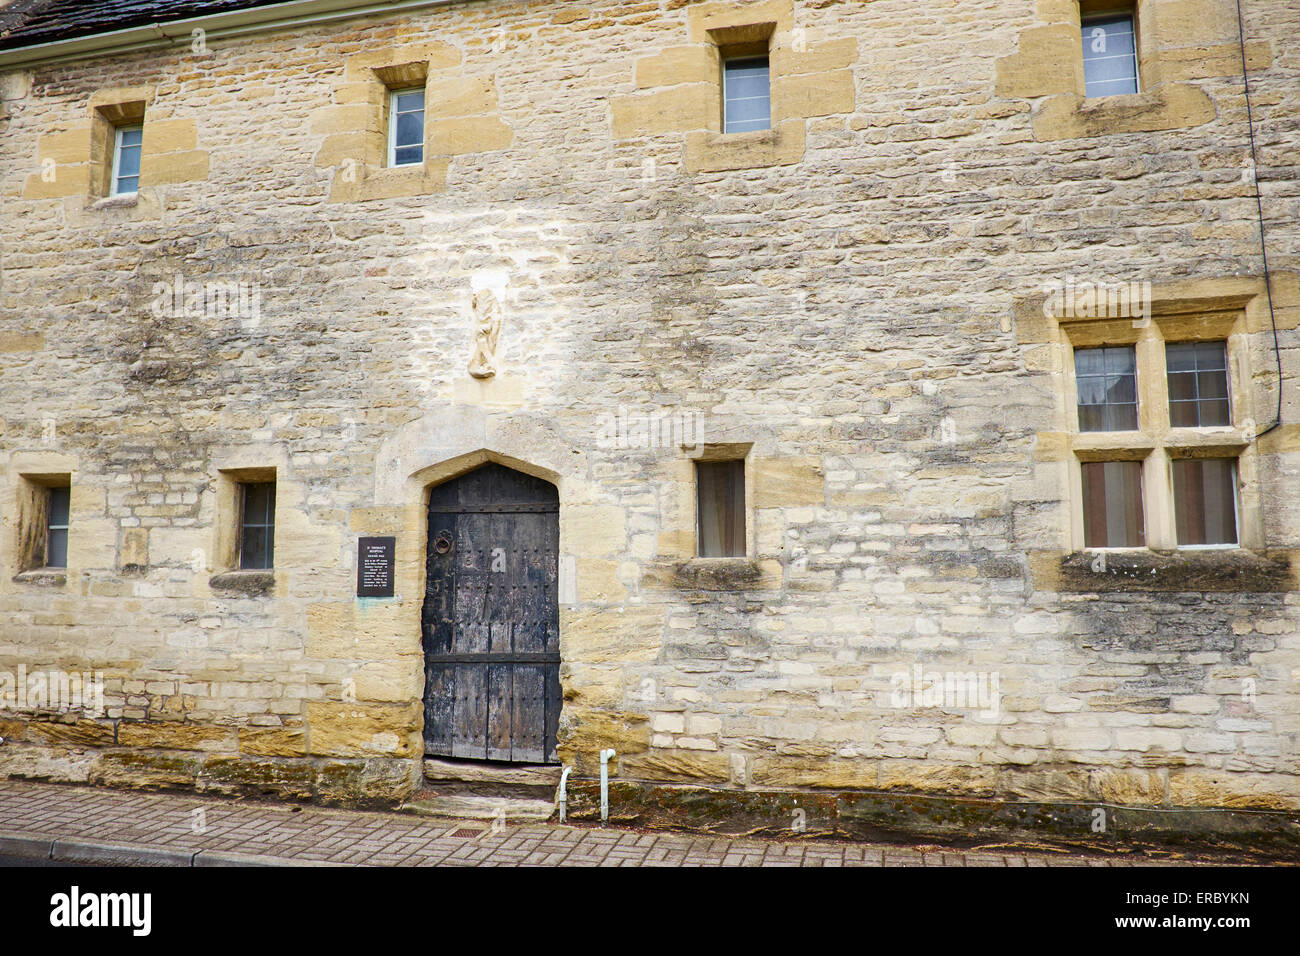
x=465 y=771
x=511 y=809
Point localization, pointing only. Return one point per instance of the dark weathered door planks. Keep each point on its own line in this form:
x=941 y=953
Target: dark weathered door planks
x=491 y=618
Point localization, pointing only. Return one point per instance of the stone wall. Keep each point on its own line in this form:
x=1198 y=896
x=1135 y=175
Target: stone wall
x=853 y=302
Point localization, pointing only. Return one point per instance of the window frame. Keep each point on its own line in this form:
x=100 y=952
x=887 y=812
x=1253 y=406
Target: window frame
x=1087 y=17
x=393 y=114
x=51 y=527
x=1236 y=505
x=1142 y=491
x=114 y=175
x=1107 y=406
x=742 y=507
x=1157 y=443
x=243 y=525
x=732 y=60
x=1227 y=378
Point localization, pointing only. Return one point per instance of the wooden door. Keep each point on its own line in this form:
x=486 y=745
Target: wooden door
x=491 y=619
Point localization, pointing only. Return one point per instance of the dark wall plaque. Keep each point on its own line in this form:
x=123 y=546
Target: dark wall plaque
x=375 y=566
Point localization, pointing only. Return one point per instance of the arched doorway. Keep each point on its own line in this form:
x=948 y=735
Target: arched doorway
x=491 y=619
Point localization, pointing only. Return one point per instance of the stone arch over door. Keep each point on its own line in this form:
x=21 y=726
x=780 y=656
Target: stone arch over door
x=438 y=448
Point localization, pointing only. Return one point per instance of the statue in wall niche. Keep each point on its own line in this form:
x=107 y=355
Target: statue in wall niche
x=487 y=334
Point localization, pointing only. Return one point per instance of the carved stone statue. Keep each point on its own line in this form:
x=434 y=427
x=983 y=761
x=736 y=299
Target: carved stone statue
x=487 y=334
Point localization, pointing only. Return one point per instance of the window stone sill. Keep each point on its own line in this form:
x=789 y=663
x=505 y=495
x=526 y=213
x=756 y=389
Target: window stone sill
x=251 y=583
x=715 y=574
x=366 y=183
x=43 y=577
x=1072 y=116
x=1175 y=571
x=710 y=152
x=117 y=202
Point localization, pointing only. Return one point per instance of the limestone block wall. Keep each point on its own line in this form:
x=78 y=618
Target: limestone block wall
x=859 y=317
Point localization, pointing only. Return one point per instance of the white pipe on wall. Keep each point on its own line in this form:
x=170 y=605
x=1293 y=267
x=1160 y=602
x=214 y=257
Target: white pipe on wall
x=562 y=797
x=605 y=756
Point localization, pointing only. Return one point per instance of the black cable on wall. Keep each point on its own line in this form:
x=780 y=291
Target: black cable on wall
x=1259 y=208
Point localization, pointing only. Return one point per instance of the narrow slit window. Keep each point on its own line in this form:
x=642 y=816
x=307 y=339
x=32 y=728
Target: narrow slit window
x=406 y=128
x=1110 y=65
x=720 y=487
x=1198 y=384
x=747 y=94
x=257 y=526
x=127 y=141
x=1107 y=383
x=1205 y=501
x=56 y=528
x=1112 y=505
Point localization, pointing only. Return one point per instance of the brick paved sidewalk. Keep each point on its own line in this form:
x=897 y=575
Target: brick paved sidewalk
x=307 y=834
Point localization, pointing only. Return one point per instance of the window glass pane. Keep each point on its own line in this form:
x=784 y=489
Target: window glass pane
x=1088 y=362
x=1121 y=389
x=1112 y=504
x=407 y=155
x=410 y=128
x=1205 y=501
x=410 y=101
x=1182 y=386
x=257 y=500
x=60 y=499
x=128 y=185
x=1120 y=360
x=1212 y=385
x=56 y=536
x=1216 y=413
x=1183 y=415
x=720 y=487
x=57 y=549
x=1180 y=358
x=1107 y=384
x=255 y=551
x=747 y=95
x=257 y=532
x=1211 y=355
x=1121 y=418
x=132 y=136
x=748 y=111
x=1092 y=418
x=1110 y=55
x=128 y=163
x=1092 y=391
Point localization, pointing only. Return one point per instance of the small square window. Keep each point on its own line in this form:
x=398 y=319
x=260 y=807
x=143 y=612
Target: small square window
x=1205 y=501
x=746 y=94
x=406 y=127
x=1198 y=384
x=257 y=526
x=1112 y=505
x=127 y=141
x=1107 y=383
x=1110 y=65
x=56 y=527
x=720 y=492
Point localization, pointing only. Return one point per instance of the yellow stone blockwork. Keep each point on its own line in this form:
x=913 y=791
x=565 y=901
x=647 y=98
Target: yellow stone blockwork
x=461 y=117
x=77 y=160
x=680 y=92
x=1178 y=41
